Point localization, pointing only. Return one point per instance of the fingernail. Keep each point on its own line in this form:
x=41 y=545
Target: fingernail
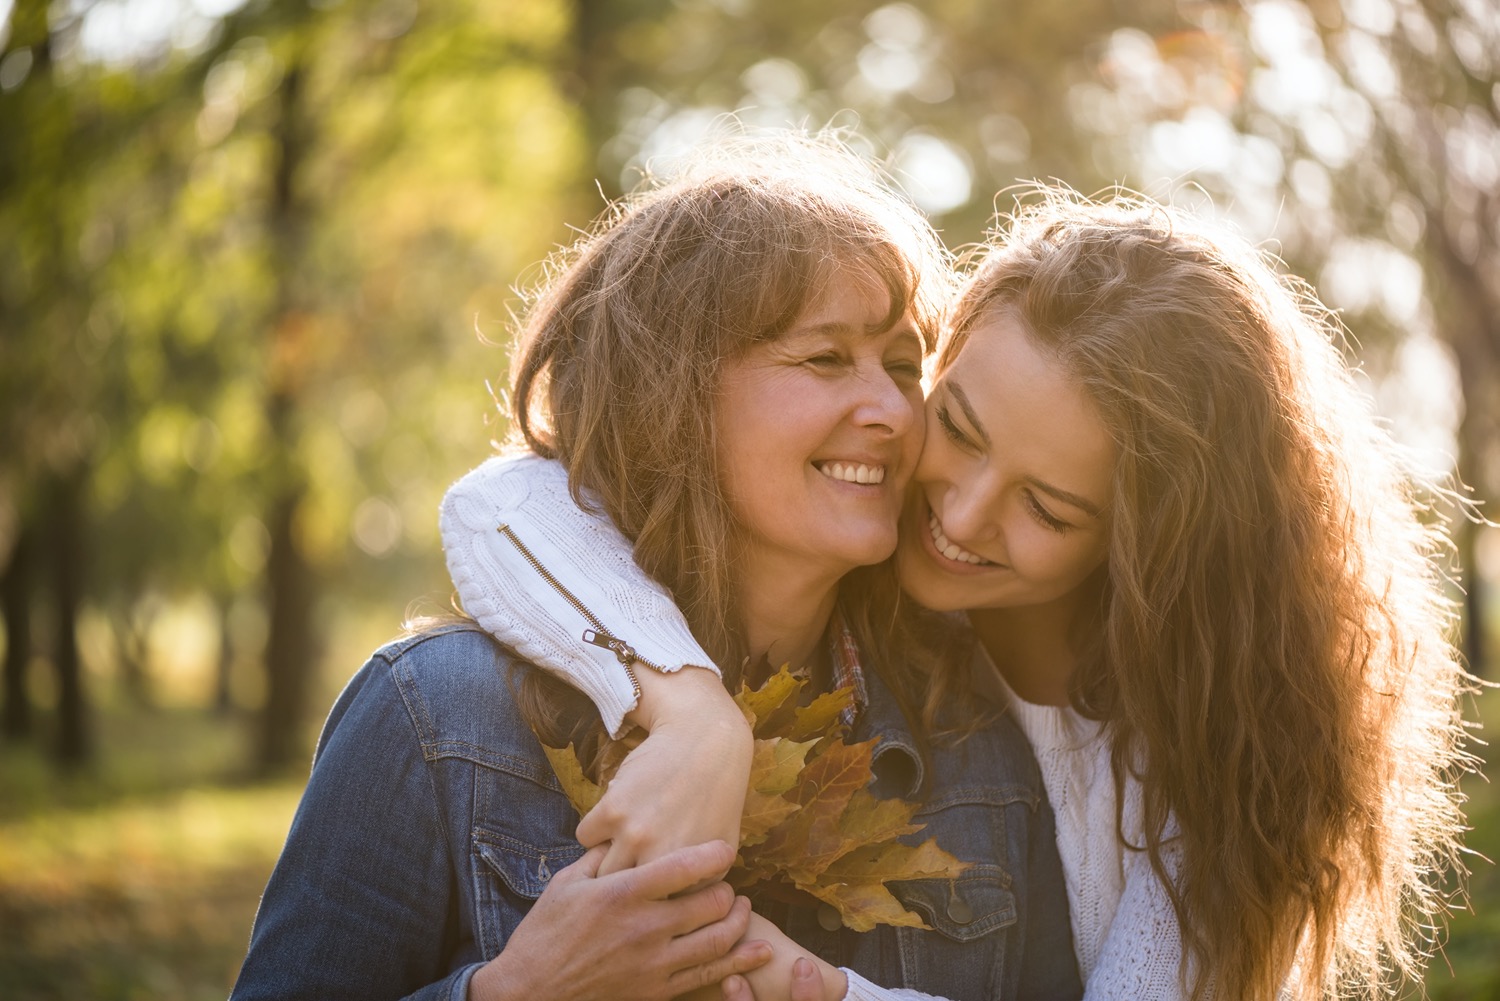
x=802 y=969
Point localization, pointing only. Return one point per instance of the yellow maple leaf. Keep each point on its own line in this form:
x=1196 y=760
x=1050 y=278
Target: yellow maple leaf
x=580 y=790
x=810 y=825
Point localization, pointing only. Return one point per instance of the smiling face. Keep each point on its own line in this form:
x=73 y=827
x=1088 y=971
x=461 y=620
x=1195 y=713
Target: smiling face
x=818 y=435
x=1012 y=495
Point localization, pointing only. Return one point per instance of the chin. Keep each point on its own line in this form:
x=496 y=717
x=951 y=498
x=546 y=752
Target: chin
x=870 y=550
x=922 y=585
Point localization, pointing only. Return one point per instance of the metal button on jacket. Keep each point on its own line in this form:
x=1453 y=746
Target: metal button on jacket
x=959 y=910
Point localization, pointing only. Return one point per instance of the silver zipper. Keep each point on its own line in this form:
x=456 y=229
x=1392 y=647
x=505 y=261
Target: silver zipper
x=597 y=636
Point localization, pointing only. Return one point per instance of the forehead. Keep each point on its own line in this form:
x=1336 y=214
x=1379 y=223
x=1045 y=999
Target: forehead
x=848 y=300
x=1035 y=411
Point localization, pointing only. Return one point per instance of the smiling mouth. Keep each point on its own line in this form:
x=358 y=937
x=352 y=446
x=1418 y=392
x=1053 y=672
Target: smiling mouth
x=952 y=550
x=852 y=472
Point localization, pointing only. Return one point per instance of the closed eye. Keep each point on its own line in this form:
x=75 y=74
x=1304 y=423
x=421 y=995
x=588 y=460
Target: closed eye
x=1044 y=516
x=905 y=371
x=952 y=430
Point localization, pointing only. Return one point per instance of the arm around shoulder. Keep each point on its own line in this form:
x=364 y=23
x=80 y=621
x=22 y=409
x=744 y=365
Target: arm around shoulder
x=546 y=577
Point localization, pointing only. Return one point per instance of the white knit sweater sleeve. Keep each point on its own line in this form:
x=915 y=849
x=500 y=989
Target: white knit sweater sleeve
x=861 y=989
x=585 y=555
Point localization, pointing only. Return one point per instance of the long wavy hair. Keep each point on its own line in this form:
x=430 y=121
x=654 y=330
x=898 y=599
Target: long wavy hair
x=1271 y=647
x=617 y=363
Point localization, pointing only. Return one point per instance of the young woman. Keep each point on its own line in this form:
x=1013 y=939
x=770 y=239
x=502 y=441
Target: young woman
x=1202 y=581
x=677 y=367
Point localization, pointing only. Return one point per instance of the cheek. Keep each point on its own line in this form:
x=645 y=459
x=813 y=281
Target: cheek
x=913 y=447
x=1045 y=556
x=935 y=463
x=1074 y=560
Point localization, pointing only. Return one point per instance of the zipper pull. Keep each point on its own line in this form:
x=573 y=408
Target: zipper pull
x=624 y=651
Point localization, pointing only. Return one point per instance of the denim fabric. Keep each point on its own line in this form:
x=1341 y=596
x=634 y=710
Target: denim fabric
x=432 y=822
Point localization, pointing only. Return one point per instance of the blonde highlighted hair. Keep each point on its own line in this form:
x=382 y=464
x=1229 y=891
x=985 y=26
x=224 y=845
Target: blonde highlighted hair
x=1271 y=647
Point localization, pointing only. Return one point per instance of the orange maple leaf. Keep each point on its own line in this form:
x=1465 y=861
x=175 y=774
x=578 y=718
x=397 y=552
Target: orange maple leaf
x=810 y=824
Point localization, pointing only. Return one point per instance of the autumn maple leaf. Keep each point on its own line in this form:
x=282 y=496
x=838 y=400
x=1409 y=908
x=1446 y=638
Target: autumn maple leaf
x=810 y=824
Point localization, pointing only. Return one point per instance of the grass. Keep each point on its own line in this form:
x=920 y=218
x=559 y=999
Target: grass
x=140 y=879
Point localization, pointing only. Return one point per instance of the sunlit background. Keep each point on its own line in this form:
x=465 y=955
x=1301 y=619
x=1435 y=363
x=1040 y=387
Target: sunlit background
x=259 y=262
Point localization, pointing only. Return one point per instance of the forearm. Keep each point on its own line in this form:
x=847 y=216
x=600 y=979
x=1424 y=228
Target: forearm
x=540 y=574
x=551 y=585
x=686 y=696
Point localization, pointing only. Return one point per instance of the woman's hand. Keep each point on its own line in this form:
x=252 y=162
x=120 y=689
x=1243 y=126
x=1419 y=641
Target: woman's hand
x=793 y=974
x=807 y=985
x=627 y=935
x=685 y=784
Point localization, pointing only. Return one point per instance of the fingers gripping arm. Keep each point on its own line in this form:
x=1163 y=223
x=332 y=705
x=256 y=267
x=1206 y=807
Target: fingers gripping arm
x=634 y=936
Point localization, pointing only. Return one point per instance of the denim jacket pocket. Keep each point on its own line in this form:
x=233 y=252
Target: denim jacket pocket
x=510 y=874
x=525 y=868
x=964 y=909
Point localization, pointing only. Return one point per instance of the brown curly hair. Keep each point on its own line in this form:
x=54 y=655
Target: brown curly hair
x=1270 y=650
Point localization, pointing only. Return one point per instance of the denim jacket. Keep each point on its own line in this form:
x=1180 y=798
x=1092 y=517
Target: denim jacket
x=432 y=821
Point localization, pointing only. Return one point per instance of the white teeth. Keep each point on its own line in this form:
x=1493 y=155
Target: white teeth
x=950 y=549
x=853 y=472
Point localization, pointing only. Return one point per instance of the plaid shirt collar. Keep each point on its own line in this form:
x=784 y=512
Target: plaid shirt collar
x=848 y=672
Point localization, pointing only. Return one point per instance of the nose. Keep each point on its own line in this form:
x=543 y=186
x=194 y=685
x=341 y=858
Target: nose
x=883 y=404
x=970 y=510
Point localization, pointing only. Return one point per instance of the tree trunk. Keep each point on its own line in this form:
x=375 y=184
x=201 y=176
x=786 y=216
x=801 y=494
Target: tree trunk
x=15 y=588
x=289 y=645
x=131 y=641
x=224 y=670
x=74 y=740
x=289 y=583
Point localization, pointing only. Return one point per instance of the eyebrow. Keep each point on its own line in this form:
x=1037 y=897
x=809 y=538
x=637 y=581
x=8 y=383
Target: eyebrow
x=1066 y=496
x=838 y=328
x=1087 y=506
x=957 y=392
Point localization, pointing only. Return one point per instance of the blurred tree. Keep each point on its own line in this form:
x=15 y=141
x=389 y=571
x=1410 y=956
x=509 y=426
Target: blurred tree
x=51 y=134
x=400 y=138
x=249 y=264
x=15 y=589
x=249 y=246
x=1366 y=136
x=1360 y=136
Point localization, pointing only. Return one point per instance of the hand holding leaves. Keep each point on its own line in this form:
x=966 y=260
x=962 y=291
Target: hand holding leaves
x=809 y=822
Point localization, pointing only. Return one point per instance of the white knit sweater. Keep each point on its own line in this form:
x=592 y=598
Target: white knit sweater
x=1124 y=930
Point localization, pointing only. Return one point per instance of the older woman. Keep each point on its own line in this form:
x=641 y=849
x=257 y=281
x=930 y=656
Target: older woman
x=730 y=369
